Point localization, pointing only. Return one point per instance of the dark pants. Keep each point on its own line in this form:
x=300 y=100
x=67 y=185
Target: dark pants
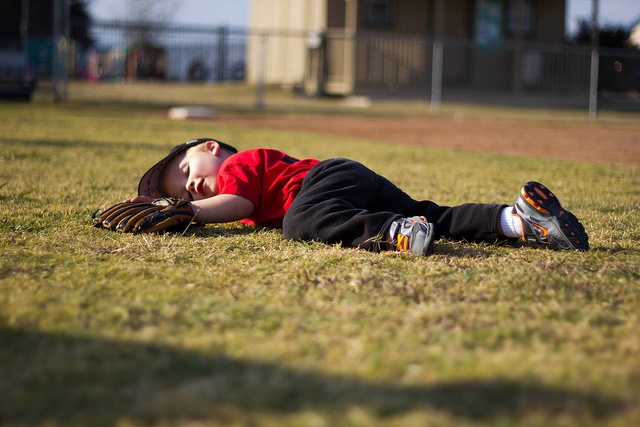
x=342 y=201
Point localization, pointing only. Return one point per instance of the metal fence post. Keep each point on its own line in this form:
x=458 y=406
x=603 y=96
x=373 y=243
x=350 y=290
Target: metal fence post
x=60 y=60
x=595 y=59
x=222 y=54
x=436 y=58
x=436 y=77
x=593 y=86
x=262 y=71
x=55 y=65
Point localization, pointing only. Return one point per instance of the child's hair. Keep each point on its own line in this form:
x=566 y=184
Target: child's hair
x=151 y=182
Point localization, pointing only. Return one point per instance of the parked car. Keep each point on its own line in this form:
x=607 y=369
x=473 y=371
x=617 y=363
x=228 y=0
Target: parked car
x=17 y=78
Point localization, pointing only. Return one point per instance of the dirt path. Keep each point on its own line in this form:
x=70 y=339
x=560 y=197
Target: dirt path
x=600 y=143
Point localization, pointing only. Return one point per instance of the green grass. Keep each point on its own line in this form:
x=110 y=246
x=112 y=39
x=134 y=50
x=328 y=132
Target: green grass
x=228 y=325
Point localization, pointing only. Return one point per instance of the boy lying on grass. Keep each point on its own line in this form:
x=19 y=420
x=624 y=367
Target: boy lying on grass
x=332 y=201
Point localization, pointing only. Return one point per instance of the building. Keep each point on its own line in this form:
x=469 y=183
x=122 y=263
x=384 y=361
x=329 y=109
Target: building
x=634 y=34
x=343 y=47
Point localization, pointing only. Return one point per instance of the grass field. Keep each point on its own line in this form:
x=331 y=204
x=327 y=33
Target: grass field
x=229 y=325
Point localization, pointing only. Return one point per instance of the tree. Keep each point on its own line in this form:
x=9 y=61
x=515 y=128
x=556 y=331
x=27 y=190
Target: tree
x=151 y=11
x=609 y=35
x=148 y=17
x=145 y=57
x=618 y=71
x=41 y=21
x=80 y=22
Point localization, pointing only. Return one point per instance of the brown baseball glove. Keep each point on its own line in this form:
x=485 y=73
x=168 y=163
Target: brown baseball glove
x=165 y=214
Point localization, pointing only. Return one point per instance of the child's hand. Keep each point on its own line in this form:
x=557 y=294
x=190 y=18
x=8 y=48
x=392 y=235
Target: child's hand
x=171 y=214
x=141 y=199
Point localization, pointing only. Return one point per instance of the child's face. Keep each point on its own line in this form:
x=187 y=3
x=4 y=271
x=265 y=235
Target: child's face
x=194 y=176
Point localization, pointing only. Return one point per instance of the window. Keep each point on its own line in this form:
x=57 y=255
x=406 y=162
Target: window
x=521 y=18
x=380 y=13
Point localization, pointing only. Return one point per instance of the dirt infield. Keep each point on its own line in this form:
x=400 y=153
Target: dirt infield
x=601 y=143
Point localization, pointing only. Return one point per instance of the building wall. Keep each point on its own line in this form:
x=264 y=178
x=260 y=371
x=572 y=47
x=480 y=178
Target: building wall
x=417 y=17
x=458 y=19
x=282 y=28
x=550 y=17
x=335 y=14
x=634 y=35
x=501 y=67
x=289 y=50
x=288 y=15
x=412 y=17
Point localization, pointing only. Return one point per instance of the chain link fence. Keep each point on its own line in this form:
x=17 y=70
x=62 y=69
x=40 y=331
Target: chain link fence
x=132 y=52
x=168 y=64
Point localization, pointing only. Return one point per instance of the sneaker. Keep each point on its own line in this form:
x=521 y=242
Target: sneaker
x=413 y=234
x=545 y=222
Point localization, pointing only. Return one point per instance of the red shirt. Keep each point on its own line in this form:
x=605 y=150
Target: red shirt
x=269 y=178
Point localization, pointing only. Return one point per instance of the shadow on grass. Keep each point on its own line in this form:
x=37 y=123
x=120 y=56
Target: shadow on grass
x=218 y=230
x=47 y=377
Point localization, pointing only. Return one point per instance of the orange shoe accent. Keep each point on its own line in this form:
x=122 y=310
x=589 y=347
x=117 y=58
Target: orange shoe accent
x=533 y=203
x=524 y=239
x=544 y=230
x=403 y=243
x=540 y=193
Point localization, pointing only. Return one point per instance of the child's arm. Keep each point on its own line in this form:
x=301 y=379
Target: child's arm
x=222 y=208
x=143 y=214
